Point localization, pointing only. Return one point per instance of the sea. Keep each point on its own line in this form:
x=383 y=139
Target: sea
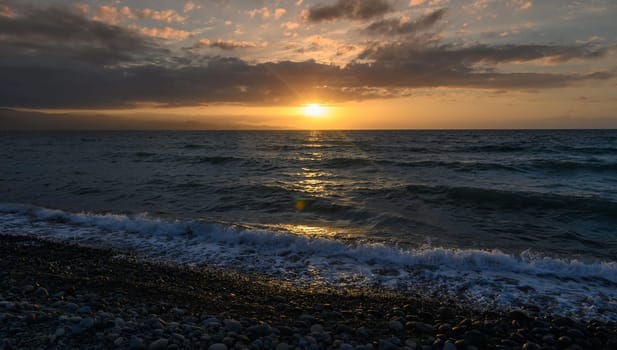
x=492 y=219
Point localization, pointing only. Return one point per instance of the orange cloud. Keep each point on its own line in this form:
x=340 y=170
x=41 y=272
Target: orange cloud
x=228 y=44
x=168 y=16
x=291 y=25
x=126 y=12
x=82 y=9
x=165 y=33
x=263 y=12
x=107 y=14
x=203 y=43
x=6 y=11
x=279 y=12
x=190 y=6
x=232 y=45
x=522 y=5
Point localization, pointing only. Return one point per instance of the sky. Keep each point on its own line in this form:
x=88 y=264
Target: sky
x=257 y=64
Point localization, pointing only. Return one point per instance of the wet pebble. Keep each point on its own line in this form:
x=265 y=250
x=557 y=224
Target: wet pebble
x=232 y=325
x=160 y=344
x=87 y=323
x=448 y=345
x=217 y=346
x=396 y=325
x=41 y=292
x=422 y=327
x=136 y=342
x=84 y=310
x=317 y=328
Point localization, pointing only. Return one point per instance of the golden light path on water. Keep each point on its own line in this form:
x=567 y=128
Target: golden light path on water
x=313 y=183
x=309 y=230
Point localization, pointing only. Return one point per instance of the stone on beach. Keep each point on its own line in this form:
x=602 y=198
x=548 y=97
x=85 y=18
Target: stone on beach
x=160 y=344
x=136 y=342
x=232 y=325
x=168 y=315
x=217 y=346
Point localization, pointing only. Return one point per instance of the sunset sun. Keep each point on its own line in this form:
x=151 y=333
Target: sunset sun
x=314 y=110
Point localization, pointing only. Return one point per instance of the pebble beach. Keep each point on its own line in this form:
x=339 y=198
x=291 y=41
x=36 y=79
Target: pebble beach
x=62 y=296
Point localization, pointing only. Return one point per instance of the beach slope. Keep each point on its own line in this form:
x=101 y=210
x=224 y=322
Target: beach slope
x=62 y=296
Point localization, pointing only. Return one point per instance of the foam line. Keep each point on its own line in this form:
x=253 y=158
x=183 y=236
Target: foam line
x=485 y=278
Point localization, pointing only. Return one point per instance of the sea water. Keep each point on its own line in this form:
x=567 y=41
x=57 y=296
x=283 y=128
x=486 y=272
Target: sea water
x=493 y=218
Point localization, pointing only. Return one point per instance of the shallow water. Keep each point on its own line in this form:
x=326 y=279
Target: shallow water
x=498 y=217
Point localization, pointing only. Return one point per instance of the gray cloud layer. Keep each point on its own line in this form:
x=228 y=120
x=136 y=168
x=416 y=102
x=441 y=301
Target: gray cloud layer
x=59 y=59
x=350 y=9
x=463 y=58
x=396 y=26
x=61 y=33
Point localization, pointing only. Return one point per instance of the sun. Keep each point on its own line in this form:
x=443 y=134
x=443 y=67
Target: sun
x=314 y=110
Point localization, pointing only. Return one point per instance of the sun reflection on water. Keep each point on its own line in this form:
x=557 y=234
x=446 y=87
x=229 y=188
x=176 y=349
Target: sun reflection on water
x=309 y=230
x=317 y=191
x=311 y=180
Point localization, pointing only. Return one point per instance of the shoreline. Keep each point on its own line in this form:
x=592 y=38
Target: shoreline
x=63 y=296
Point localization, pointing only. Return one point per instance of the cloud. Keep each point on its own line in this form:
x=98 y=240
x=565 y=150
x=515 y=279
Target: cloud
x=20 y=120
x=127 y=12
x=165 y=33
x=58 y=34
x=279 y=12
x=168 y=16
x=349 y=9
x=230 y=80
x=107 y=14
x=226 y=44
x=521 y=5
x=291 y=25
x=264 y=12
x=59 y=58
x=190 y=6
x=404 y=25
x=232 y=45
x=6 y=11
x=447 y=56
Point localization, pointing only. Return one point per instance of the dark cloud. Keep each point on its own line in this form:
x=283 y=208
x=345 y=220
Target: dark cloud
x=58 y=32
x=463 y=58
x=399 y=78
x=26 y=120
x=350 y=9
x=59 y=59
x=218 y=80
x=233 y=80
x=396 y=26
x=232 y=45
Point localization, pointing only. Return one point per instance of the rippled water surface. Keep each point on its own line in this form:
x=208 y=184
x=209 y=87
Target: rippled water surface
x=552 y=191
x=467 y=195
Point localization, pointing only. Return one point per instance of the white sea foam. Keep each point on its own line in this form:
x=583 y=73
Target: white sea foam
x=487 y=278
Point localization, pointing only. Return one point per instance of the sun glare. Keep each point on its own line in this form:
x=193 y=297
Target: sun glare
x=314 y=110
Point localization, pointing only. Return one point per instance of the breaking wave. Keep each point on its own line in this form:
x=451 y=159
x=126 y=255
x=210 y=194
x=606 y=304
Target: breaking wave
x=489 y=278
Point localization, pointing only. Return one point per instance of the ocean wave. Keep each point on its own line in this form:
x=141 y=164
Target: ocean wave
x=488 y=278
x=459 y=166
x=495 y=148
x=560 y=165
x=594 y=150
x=341 y=162
x=193 y=146
x=212 y=159
x=506 y=199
